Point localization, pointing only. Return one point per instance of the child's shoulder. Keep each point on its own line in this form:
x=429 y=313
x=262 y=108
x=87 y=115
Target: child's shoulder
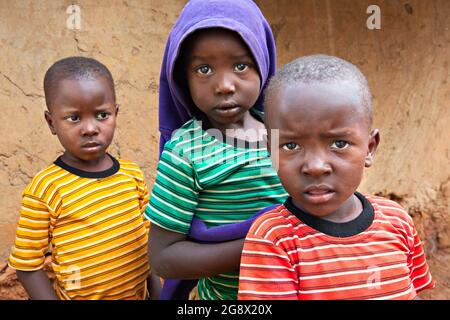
x=131 y=165
x=131 y=168
x=389 y=208
x=47 y=176
x=272 y=223
x=187 y=141
x=190 y=130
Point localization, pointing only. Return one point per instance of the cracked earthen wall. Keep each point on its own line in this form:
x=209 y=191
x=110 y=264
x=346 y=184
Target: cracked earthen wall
x=127 y=36
x=406 y=62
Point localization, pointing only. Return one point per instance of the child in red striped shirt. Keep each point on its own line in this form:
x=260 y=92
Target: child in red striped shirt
x=328 y=241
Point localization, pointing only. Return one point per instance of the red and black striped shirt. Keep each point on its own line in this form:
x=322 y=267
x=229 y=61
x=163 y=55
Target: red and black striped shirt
x=285 y=255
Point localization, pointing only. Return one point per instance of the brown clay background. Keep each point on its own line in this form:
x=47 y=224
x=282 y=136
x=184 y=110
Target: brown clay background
x=406 y=63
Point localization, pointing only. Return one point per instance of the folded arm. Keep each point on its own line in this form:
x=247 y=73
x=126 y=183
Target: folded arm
x=172 y=255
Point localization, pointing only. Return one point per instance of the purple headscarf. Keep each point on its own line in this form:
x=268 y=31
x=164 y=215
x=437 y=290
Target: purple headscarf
x=245 y=18
x=241 y=16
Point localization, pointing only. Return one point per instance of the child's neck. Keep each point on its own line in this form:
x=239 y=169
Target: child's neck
x=102 y=163
x=247 y=128
x=349 y=211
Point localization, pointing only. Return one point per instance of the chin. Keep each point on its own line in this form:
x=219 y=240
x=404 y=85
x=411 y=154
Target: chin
x=229 y=120
x=91 y=157
x=319 y=211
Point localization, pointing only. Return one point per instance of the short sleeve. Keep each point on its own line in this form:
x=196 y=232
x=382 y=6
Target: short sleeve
x=266 y=272
x=418 y=266
x=174 y=195
x=32 y=235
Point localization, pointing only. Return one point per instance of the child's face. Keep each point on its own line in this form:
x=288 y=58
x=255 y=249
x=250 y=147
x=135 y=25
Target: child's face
x=222 y=75
x=324 y=144
x=83 y=116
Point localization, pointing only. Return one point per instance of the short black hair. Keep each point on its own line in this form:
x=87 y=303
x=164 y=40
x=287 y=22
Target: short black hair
x=74 y=68
x=321 y=68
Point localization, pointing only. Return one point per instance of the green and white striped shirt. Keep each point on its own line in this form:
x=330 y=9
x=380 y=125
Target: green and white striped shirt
x=216 y=181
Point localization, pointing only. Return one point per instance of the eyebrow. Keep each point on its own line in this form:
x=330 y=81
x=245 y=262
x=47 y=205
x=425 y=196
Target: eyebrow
x=339 y=133
x=96 y=108
x=235 y=56
x=344 y=132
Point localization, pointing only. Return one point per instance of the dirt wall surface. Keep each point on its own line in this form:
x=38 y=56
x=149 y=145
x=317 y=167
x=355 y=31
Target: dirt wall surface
x=127 y=36
x=407 y=66
x=406 y=63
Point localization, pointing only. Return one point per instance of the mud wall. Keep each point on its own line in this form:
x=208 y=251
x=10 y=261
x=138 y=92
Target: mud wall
x=127 y=36
x=406 y=62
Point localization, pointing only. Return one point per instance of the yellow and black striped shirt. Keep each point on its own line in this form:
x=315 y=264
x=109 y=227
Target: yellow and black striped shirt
x=95 y=226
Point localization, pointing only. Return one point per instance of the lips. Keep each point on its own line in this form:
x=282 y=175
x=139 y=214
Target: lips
x=227 y=109
x=91 y=146
x=318 y=194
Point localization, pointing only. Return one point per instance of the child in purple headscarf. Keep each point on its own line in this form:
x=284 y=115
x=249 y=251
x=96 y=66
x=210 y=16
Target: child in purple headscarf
x=214 y=166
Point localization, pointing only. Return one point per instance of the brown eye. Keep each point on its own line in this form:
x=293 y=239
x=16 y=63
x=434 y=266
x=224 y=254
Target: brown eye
x=339 y=144
x=102 y=115
x=290 y=146
x=240 y=67
x=204 y=69
x=73 y=118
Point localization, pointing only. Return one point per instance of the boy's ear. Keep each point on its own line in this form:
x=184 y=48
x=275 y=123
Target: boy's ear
x=374 y=140
x=49 y=119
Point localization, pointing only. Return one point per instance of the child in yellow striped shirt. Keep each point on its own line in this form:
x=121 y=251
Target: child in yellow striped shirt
x=87 y=205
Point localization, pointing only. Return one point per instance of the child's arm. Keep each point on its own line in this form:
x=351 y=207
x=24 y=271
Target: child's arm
x=227 y=232
x=154 y=286
x=32 y=242
x=172 y=205
x=153 y=281
x=37 y=285
x=173 y=256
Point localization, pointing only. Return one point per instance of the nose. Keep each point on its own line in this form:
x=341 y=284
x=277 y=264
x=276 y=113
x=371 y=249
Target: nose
x=316 y=165
x=225 y=84
x=89 y=128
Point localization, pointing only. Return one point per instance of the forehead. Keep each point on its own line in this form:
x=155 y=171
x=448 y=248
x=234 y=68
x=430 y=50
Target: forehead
x=210 y=41
x=316 y=106
x=92 y=91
